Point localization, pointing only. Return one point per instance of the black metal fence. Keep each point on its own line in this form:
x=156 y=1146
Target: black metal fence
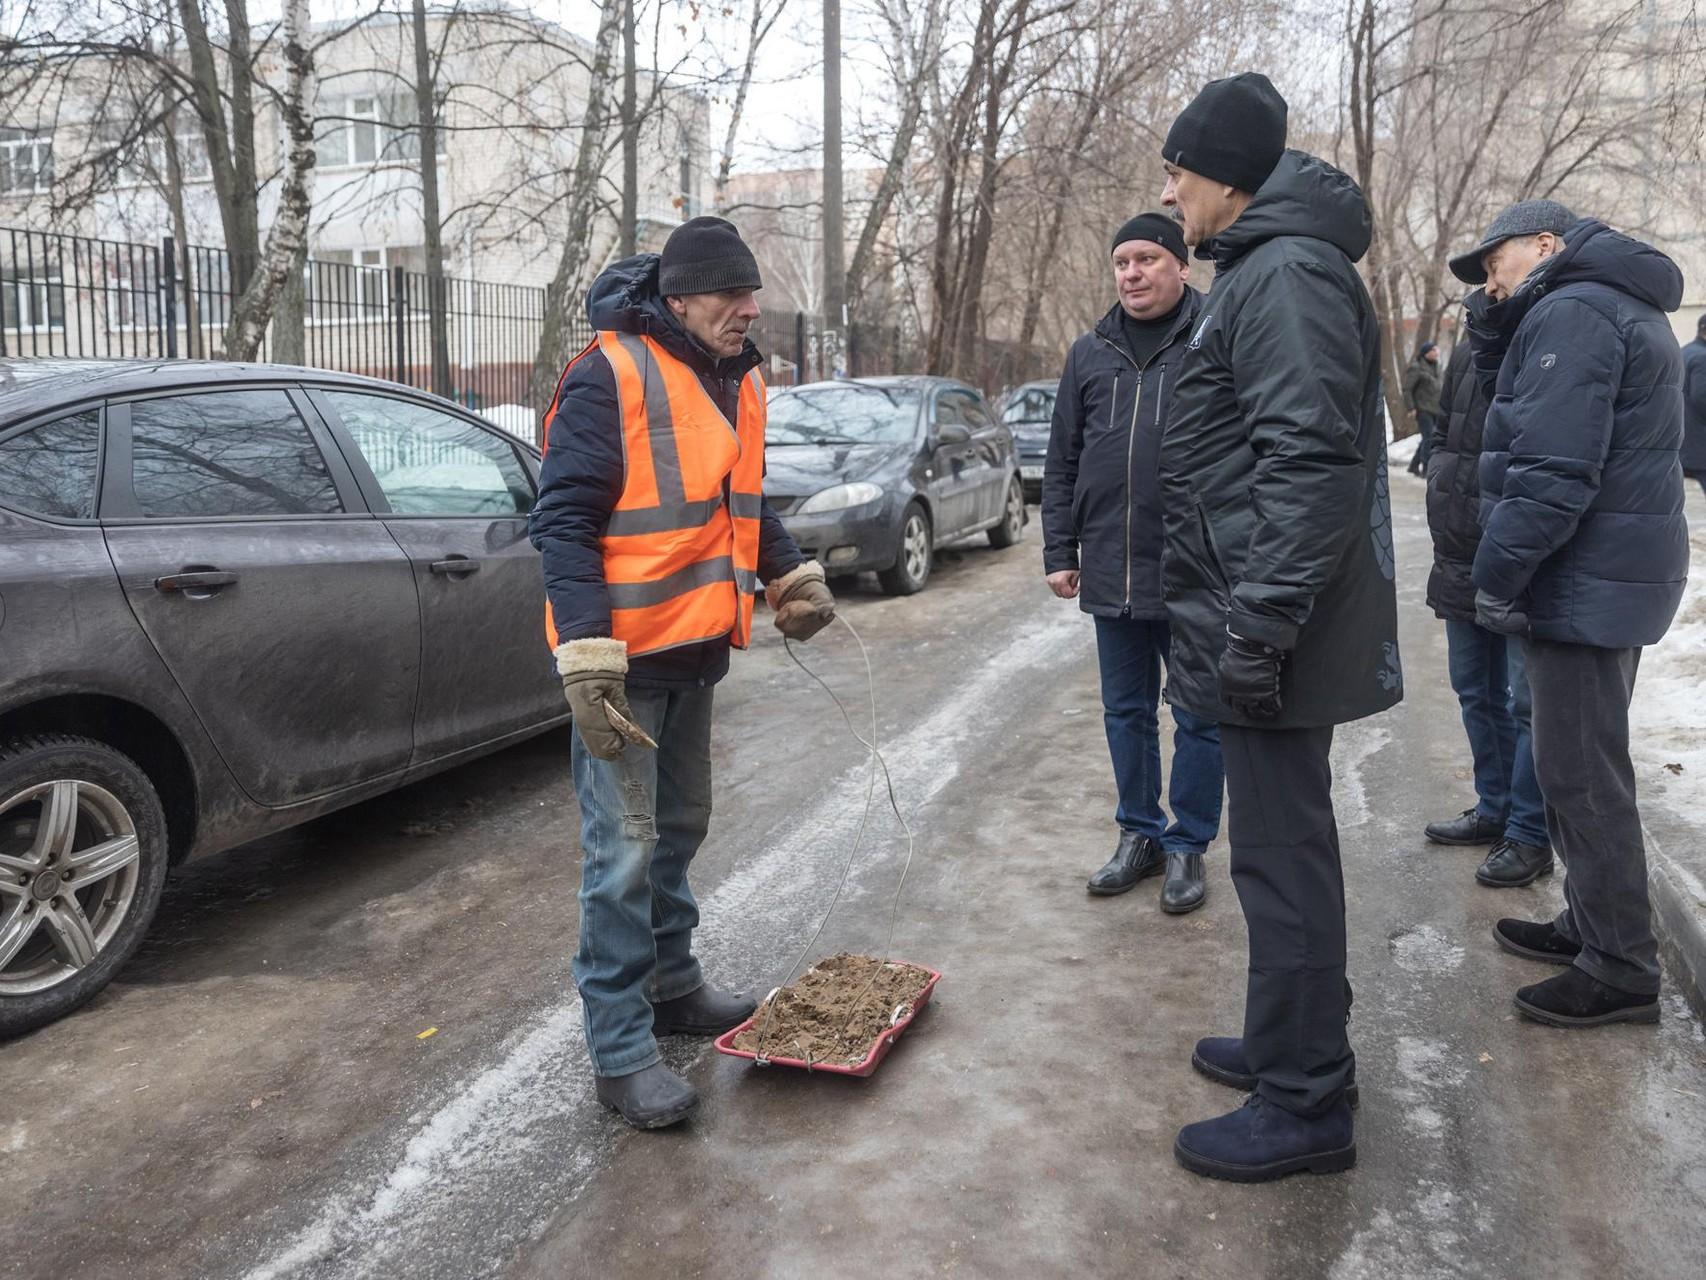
x=65 y=295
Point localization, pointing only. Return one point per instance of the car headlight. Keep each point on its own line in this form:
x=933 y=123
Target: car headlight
x=840 y=498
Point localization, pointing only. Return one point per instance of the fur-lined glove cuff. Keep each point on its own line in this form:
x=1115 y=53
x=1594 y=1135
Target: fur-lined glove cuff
x=779 y=592
x=592 y=655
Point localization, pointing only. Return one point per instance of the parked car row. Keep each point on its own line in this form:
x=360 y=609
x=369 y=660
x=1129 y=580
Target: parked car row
x=877 y=473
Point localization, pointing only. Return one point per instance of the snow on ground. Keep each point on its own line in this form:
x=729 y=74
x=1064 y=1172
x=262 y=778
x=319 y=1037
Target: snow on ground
x=1668 y=720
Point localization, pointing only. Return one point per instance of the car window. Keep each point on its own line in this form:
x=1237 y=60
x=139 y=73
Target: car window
x=1034 y=404
x=50 y=470
x=430 y=463
x=841 y=413
x=977 y=417
x=227 y=453
x=950 y=408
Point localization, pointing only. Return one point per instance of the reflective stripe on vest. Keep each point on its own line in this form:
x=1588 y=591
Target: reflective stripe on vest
x=681 y=547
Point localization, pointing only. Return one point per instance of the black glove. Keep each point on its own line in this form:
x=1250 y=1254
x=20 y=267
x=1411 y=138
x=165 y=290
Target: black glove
x=1250 y=677
x=1503 y=616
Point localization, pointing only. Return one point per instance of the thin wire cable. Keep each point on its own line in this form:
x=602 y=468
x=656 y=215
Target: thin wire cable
x=877 y=761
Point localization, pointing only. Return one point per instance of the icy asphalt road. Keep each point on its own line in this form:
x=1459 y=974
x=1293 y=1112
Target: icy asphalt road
x=252 y=1098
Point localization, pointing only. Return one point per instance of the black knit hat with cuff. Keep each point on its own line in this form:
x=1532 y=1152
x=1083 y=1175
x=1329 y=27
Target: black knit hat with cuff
x=1233 y=131
x=1157 y=228
x=706 y=255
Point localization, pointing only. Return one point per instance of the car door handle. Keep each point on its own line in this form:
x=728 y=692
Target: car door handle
x=456 y=566
x=210 y=580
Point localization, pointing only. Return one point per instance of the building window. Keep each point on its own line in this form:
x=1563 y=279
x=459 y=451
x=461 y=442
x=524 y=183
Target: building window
x=138 y=160
x=375 y=128
x=32 y=304
x=352 y=283
x=26 y=161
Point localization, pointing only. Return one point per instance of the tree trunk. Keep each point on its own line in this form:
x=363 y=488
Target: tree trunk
x=290 y=315
x=426 y=103
x=562 y=296
x=630 y=138
x=757 y=29
x=834 y=211
x=289 y=235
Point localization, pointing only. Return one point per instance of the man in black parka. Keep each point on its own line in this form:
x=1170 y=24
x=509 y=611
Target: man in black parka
x=1278 y=574
x=1584 y=554
x=1102 y=547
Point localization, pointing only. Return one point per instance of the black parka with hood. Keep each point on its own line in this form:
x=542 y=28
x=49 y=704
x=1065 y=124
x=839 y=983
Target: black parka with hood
x=1273 y=468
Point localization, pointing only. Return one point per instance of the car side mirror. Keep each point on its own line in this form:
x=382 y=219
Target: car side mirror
x=952 y=433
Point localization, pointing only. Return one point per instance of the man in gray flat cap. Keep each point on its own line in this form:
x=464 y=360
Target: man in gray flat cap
x=1584 y=555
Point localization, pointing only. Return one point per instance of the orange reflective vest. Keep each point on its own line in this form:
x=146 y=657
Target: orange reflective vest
x=681 y=549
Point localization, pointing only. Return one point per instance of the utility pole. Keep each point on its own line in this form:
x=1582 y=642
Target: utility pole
x=426 y=102
x=630 y=139
x=834 y=241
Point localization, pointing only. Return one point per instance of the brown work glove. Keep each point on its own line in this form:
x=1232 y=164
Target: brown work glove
x=802 y=602
x=595 y=681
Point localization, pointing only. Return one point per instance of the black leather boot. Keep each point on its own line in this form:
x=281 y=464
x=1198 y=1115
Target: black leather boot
x=1577 y=999
x=1184 y=888
x=651 y=1098
x=1468 y=827
x=708 y=1011
x=1536 y=940
x=1136 y=858
x=1511 y=864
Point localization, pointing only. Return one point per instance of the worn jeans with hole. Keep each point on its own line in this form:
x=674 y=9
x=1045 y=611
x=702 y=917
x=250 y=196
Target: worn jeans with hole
x=1131 y=652
x=643 y=817
x=1491 y=683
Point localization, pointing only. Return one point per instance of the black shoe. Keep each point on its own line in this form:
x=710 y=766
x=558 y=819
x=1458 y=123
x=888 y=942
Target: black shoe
x=1468 y=827
x=1184 y=888
x=1577 y=999
x=1260 y=1142
x=1510 y=864
x=1136 y=858
x=705 y=1012
x=1221 y=1059
x=1536 y=940
x=651 y=1098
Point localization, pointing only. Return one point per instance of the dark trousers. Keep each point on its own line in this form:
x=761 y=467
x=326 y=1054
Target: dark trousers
x=1581 y=754
x=1285 y=866
x=1492 y=692
x=1131 y=652
x=1425 y=445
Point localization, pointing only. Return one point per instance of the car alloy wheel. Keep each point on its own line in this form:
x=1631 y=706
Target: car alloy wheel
x=911 y=568
x=1012 y=526
x=70 y=864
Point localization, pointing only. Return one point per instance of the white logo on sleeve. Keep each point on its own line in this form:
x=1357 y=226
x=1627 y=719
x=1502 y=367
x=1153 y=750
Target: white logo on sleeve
x=1548 y=360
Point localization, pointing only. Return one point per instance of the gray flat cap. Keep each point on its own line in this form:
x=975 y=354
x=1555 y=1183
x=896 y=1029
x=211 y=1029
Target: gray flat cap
x=1524 y=218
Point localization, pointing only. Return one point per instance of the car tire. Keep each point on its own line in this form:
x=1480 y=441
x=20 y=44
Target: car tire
x=1012 y=526
x=65 y=936
x=913 y=558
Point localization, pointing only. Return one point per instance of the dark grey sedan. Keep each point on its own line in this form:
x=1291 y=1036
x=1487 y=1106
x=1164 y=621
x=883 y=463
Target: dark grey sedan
x=876 y=473
x=1028 y=411
x=234 y=598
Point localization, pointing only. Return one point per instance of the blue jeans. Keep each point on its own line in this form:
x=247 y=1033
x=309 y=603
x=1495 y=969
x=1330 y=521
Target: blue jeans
x=643 y=817
x=1131 y=652
x=1487 y=674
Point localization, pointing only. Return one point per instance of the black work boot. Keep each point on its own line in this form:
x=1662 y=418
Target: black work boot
x=653 y=1097
x=1577 y=999
x=1468 y=827
x=1221 y=1059
x=1260 y=1142
x=708 y=1011
x=1510 y=864
x=1536 y=940
x=1184 y=889
x=1136 y=858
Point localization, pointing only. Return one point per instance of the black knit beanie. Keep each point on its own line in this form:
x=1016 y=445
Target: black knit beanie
x=706 y=255
x=1157 y=228
x=1232 y=132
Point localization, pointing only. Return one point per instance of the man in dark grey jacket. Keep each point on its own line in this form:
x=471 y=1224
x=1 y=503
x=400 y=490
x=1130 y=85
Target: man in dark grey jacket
x=1279 y=582
x=1585 y=556
x=1102 y=547
x=1421 y=397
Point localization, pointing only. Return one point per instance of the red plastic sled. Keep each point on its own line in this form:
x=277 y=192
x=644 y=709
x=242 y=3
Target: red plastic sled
x=880 y=1047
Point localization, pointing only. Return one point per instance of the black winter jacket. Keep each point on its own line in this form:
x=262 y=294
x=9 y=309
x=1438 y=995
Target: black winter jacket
x=1581 y=479
x=1694 y=408
x=584 y=472
x=1273 y=469
x=1454 y=489
x=1101 y=491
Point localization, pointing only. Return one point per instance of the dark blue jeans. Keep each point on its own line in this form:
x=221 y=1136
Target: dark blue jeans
x=1488 y=676
x=643 y=817
x=1131 y=652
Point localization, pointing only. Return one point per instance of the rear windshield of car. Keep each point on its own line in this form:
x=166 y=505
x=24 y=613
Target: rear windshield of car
x=1033 y=404
x=852 y=413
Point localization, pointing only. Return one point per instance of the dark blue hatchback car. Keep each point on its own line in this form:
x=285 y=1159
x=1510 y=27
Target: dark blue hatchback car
x=876 y=473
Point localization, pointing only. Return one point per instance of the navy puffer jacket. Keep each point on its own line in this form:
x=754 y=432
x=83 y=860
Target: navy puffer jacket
x=1581 y=481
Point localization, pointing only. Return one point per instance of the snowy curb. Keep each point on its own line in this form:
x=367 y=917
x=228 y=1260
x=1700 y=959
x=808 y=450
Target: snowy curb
x=1679 y=905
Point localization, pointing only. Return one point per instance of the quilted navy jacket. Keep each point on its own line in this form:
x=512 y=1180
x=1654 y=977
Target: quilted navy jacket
x=1581 y=479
